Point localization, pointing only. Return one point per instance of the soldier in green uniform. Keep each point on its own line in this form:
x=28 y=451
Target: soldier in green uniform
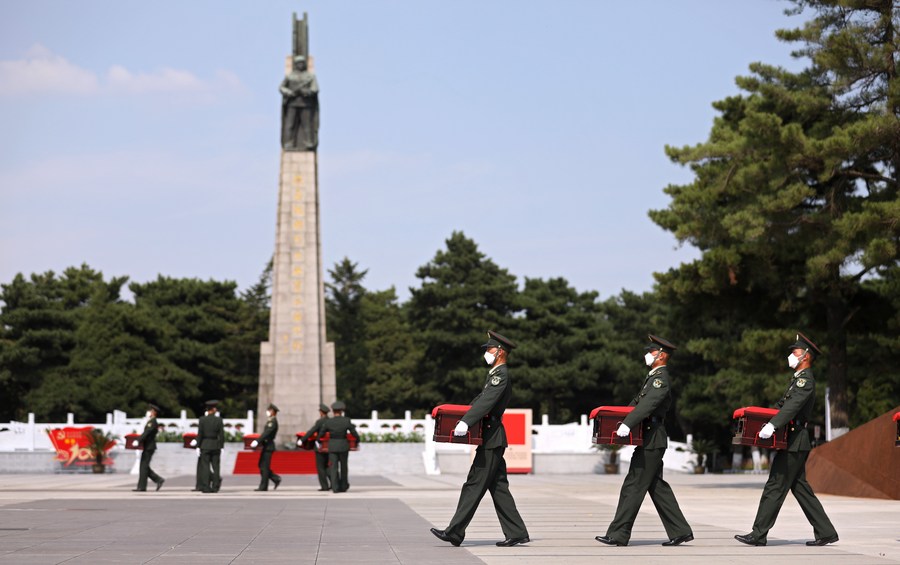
x=787 y=469
x=645 y=474
x=148 y=438
x=211 y=438
x=267 y=441
x=338 y=426
x=194 y=443
x=321 y=456
x=488 y=471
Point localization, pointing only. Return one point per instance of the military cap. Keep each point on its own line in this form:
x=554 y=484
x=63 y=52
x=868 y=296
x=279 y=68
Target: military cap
x=803 y=342
x=497 y=340
x=153 y=407
x=212 y=403
x=660 y=343
x=324 y=408
x=338 y=405
x=273 y=407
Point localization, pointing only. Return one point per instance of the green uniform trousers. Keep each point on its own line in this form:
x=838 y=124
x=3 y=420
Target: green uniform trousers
x=322 y=470
x=265 y=470
x=337 y=471
x=146 y=471
x=210 y=479
x=487 y=474
x=788 y=472
x=645 y=475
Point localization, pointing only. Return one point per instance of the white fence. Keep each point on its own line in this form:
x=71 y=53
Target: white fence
x=32 y=436
x=572 y=438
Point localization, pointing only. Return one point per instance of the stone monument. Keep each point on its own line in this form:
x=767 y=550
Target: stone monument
x=297 y=370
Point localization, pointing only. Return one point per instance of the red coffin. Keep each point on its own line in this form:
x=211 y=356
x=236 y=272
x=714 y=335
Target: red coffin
x=186 y=440
x=307 y=443
x=606 y=421
x=323 y=442
x=446 y=416
x=248 y=439
x=747 y=423
x=129 y=441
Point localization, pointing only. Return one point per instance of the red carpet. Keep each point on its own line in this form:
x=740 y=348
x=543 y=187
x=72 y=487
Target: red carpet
x=283 y=463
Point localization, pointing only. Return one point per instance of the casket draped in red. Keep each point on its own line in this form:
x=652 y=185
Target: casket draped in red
x=606 y=422
x=446 y=416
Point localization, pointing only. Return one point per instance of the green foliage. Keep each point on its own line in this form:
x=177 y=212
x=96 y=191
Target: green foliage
x=794 y=205
x=70 y=344
x=347 y=328
x=462 y=295
x=98 y=442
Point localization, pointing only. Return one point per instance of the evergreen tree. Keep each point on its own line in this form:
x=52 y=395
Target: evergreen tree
x=795 y=201
x=346 y=327
x=392 y=355
x=204 y=320
x=38 y=325
x=462 y=295
x=558 y=365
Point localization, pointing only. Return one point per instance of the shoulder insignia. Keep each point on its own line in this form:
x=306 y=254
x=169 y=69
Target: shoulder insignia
x=657 y=383
x=801 y=383
x=495 y=380
x=149 y=424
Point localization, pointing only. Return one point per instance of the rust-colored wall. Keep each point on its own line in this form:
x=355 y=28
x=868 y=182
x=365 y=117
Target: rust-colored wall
x=863 y=462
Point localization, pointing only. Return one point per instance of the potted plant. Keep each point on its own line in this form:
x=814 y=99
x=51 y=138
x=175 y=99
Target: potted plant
x=702 y=448
x=98 y=443
x=611 y=465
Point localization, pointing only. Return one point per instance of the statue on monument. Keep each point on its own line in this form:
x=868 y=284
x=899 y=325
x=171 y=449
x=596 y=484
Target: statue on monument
x=300 y=108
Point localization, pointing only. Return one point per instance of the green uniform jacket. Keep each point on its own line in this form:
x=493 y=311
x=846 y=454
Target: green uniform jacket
x=148 y=438
x=211 y=432
x=797 y=404
x=338 y=427
x=492 y=402
x=652 y=402
x=268 y=435
x=315 y=427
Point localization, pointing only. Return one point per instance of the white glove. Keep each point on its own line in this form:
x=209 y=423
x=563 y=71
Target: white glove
x=193 y=443
x=134 y=443
x=461 y=429
x=254 y=443
x=767 y=431
x=623 y=430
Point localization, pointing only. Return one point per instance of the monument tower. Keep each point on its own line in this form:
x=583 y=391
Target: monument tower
x=296 y=371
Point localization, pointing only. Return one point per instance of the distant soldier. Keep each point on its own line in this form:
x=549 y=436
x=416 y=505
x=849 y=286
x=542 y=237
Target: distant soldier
x=338 y=426
x=645 y=474
x=211 y=439
x=148 y=438
x=488 y=470
x=787 y=470
x=198 y=487
x=267 y=442
x=321 y=457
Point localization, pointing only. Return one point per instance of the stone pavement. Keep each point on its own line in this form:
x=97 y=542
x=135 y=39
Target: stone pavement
x=50 y=519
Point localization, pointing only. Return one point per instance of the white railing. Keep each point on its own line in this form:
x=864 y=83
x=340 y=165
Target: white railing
x=381 y=426
x=32 y=436
x=574 y=437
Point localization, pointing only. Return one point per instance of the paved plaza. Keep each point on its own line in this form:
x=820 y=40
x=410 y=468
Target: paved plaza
x=50 y=519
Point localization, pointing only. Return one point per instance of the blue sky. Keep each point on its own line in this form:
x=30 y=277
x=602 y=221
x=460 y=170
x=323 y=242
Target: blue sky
x=144 y=138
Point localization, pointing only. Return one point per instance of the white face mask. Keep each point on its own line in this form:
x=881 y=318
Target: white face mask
x=649 y=358
x=793 y=361
x=269 y=414
x=489 y=358
x=148 y=415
